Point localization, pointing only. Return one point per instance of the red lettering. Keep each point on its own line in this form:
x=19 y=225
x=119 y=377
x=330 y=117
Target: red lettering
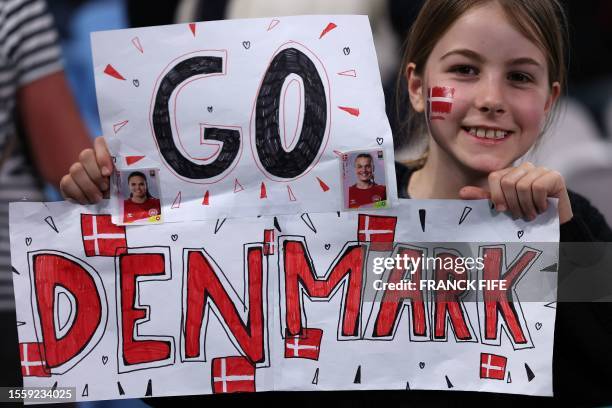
x=300 y=274
x=51 y=270
x=448 y=302
x=138 y=351
x=499 y=301
x=393 y=301
x=203 y=285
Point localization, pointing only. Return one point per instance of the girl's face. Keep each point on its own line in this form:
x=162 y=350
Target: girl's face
x=138 y=187
x=494 y=89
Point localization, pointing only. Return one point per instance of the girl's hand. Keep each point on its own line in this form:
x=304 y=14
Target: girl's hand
x=523 y=191
x=88 y=178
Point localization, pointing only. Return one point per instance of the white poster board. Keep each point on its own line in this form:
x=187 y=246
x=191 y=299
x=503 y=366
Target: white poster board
x=243 y=117
x=281 y=303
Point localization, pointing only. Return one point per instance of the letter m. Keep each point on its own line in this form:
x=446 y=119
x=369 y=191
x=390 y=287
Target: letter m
x=298 y=278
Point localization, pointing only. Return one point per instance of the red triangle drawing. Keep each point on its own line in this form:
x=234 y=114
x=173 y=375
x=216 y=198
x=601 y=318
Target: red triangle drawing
x=263 y=193
x=110 y=70
x=273 y=24
x=117 y=126
x=350 y=72
x=237 y=186
x=133 y=159
x=327 y=29
x=324 y=186
x=291 y=196
x=137 y=44
x=177 y=201
x=192 y=27
x=351 y=111
x=206 y=200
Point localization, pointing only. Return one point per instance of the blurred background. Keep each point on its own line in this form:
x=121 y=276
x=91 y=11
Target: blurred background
x=579 y=144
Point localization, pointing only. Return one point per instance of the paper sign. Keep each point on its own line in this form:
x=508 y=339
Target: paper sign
x=283 y=303
x=243 y=117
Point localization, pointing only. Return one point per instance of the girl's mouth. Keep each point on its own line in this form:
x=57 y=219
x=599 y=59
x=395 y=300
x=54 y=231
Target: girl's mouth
x=487 y=135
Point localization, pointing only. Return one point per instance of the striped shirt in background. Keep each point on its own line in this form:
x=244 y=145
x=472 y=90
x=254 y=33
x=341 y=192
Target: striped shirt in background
x=29 y=50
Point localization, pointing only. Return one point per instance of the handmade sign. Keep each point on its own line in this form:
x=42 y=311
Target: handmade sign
x=242 y=117
x=317 y=301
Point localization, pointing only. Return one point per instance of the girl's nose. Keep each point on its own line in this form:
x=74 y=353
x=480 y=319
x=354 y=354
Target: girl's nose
x=490 y=99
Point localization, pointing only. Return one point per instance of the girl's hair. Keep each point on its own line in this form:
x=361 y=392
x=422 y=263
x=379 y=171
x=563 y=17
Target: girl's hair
x=542 y=21
x=139 y=174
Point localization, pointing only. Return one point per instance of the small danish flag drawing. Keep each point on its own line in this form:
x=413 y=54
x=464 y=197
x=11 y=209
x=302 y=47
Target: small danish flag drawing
x=378 y=230
x=33 y=362
x=304 y=345
x=492 y=366
x=100 y=236
x=232 y=374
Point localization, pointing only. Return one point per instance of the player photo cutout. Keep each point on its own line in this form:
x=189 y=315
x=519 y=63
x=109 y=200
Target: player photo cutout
x=363 y=179
x=138 y=200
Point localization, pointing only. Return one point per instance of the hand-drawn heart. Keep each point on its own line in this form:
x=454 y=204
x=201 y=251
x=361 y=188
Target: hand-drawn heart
x=380 y=140
x=136 y=83
x=174 y=237
x=520 y=234
x=246 y=44
x=327 y=246
x=346 y=50
x=28 y=241
x=538 y=326
x=104 y=360
x=422 y=365
x=210 y=108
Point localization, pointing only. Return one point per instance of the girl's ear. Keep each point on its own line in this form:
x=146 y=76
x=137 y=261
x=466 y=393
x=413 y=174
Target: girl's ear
x=555 y=91
x=415 y=88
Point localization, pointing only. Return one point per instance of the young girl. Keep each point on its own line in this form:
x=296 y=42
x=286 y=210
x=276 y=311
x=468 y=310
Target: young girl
x=484 y=78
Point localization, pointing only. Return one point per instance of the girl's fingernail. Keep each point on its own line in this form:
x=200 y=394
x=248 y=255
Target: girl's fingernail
x=105 y=171
x=501 y=208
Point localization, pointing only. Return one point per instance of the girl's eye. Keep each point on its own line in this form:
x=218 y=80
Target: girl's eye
x=520 y=77
x=466 y=70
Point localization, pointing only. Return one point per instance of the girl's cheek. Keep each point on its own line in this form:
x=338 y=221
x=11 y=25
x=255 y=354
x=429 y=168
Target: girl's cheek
x=528 y=112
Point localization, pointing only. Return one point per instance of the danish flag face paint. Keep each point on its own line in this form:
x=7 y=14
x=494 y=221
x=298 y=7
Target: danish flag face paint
x=439 y=102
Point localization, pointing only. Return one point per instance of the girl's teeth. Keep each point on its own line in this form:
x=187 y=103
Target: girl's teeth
x=488 y=133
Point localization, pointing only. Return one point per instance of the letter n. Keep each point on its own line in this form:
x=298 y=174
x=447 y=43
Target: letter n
x=207 y=288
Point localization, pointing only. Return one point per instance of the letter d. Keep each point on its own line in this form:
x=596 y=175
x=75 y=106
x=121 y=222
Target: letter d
x=66 y=341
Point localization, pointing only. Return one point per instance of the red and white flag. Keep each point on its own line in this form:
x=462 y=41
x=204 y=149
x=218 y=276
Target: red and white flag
x=492 y=366
x=232 y=374
x=378 y=230
x=440 y=101
x=305 y=345
x=100 y=236
x=33 y=362
x=268 y=248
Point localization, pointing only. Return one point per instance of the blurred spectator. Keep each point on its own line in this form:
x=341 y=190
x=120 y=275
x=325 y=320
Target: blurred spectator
x=40 y=129
x=76 y=20
x=590 y=73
